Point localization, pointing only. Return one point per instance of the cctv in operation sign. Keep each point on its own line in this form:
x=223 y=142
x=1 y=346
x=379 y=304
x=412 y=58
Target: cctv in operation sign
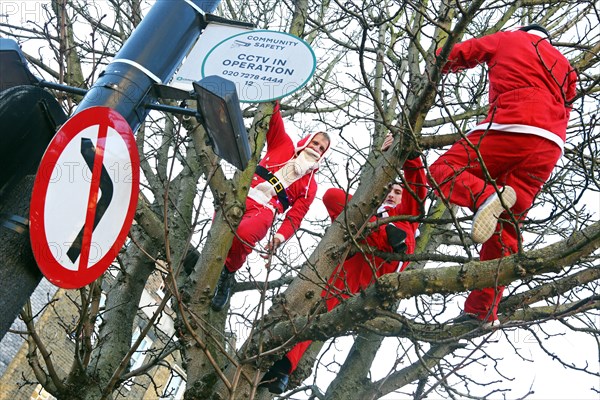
x=264 y=65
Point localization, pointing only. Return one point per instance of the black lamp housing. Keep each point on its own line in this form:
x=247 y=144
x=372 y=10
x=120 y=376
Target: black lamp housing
x=29 y=116
x=13 y=66
x=219 y=107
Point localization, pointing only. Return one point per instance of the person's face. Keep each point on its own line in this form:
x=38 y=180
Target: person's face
x=394 y=196
x=319 y=143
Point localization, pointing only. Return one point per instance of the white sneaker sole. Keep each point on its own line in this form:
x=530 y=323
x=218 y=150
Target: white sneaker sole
x=486 y=218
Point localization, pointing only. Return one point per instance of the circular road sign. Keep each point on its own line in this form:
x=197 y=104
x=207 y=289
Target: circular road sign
x=264 y=65
x=84 y=197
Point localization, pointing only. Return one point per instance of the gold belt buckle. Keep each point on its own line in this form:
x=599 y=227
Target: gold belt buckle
x=276 y=184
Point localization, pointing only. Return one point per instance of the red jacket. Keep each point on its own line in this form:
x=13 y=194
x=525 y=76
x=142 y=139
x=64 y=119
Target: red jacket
x=336 y=199
x=415 y=177
x=301 y=193
x=530 y=82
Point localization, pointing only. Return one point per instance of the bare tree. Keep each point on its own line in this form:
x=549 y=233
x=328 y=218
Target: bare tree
x=377 y=72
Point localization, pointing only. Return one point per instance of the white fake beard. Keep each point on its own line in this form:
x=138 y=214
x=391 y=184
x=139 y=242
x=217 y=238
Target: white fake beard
x=306 y=161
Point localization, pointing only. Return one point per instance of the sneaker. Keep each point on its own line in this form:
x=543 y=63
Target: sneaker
x=486 y=217
x=223 y=290
x=277 y=377
x=396 y=238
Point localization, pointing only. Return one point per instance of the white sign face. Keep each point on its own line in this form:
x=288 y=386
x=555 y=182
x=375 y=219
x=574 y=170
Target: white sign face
x=191 y=69
x=84 y=197
x=66 y=206
x=264 y=65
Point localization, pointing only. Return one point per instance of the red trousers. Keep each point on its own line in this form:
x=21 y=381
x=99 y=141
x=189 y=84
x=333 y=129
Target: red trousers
x=521 y=161
x=253 y=227
x=356 y=273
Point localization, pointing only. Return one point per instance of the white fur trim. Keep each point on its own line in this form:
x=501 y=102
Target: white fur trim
x=525 y=129
x=260 y=197
x=267 y=189
x=280 y=237
x=383 y=211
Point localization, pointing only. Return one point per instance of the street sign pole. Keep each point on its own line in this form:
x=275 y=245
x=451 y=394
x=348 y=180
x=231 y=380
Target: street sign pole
x=150 y=56
x=84 y=197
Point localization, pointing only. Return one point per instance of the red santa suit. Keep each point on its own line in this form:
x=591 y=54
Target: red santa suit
x=520 y=141
x=361 y=270
x=295 y=169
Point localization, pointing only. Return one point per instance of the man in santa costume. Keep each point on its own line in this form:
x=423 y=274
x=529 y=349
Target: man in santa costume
x=284 y=183
x=531 y=86
x=360 y=270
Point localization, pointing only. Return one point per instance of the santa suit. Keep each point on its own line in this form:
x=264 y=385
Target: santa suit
x=361 y=270
x=520 y=141
x=261 y=205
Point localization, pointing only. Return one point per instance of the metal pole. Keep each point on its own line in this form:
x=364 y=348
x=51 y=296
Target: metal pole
x=149 y=56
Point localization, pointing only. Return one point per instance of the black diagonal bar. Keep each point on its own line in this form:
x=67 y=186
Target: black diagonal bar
x=88 y=151
x=151 y=54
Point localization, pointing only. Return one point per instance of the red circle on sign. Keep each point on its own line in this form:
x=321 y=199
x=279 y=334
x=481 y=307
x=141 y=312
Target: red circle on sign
x=107 y=127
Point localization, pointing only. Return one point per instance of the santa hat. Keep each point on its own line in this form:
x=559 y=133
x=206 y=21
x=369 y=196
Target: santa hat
x=305 y=141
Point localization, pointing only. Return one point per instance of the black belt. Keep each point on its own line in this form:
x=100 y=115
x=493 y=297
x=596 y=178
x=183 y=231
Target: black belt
x=272 y=179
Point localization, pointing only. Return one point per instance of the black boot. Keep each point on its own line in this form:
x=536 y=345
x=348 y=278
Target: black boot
x=277 y=377
x=223 y=290
x=396 y=238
